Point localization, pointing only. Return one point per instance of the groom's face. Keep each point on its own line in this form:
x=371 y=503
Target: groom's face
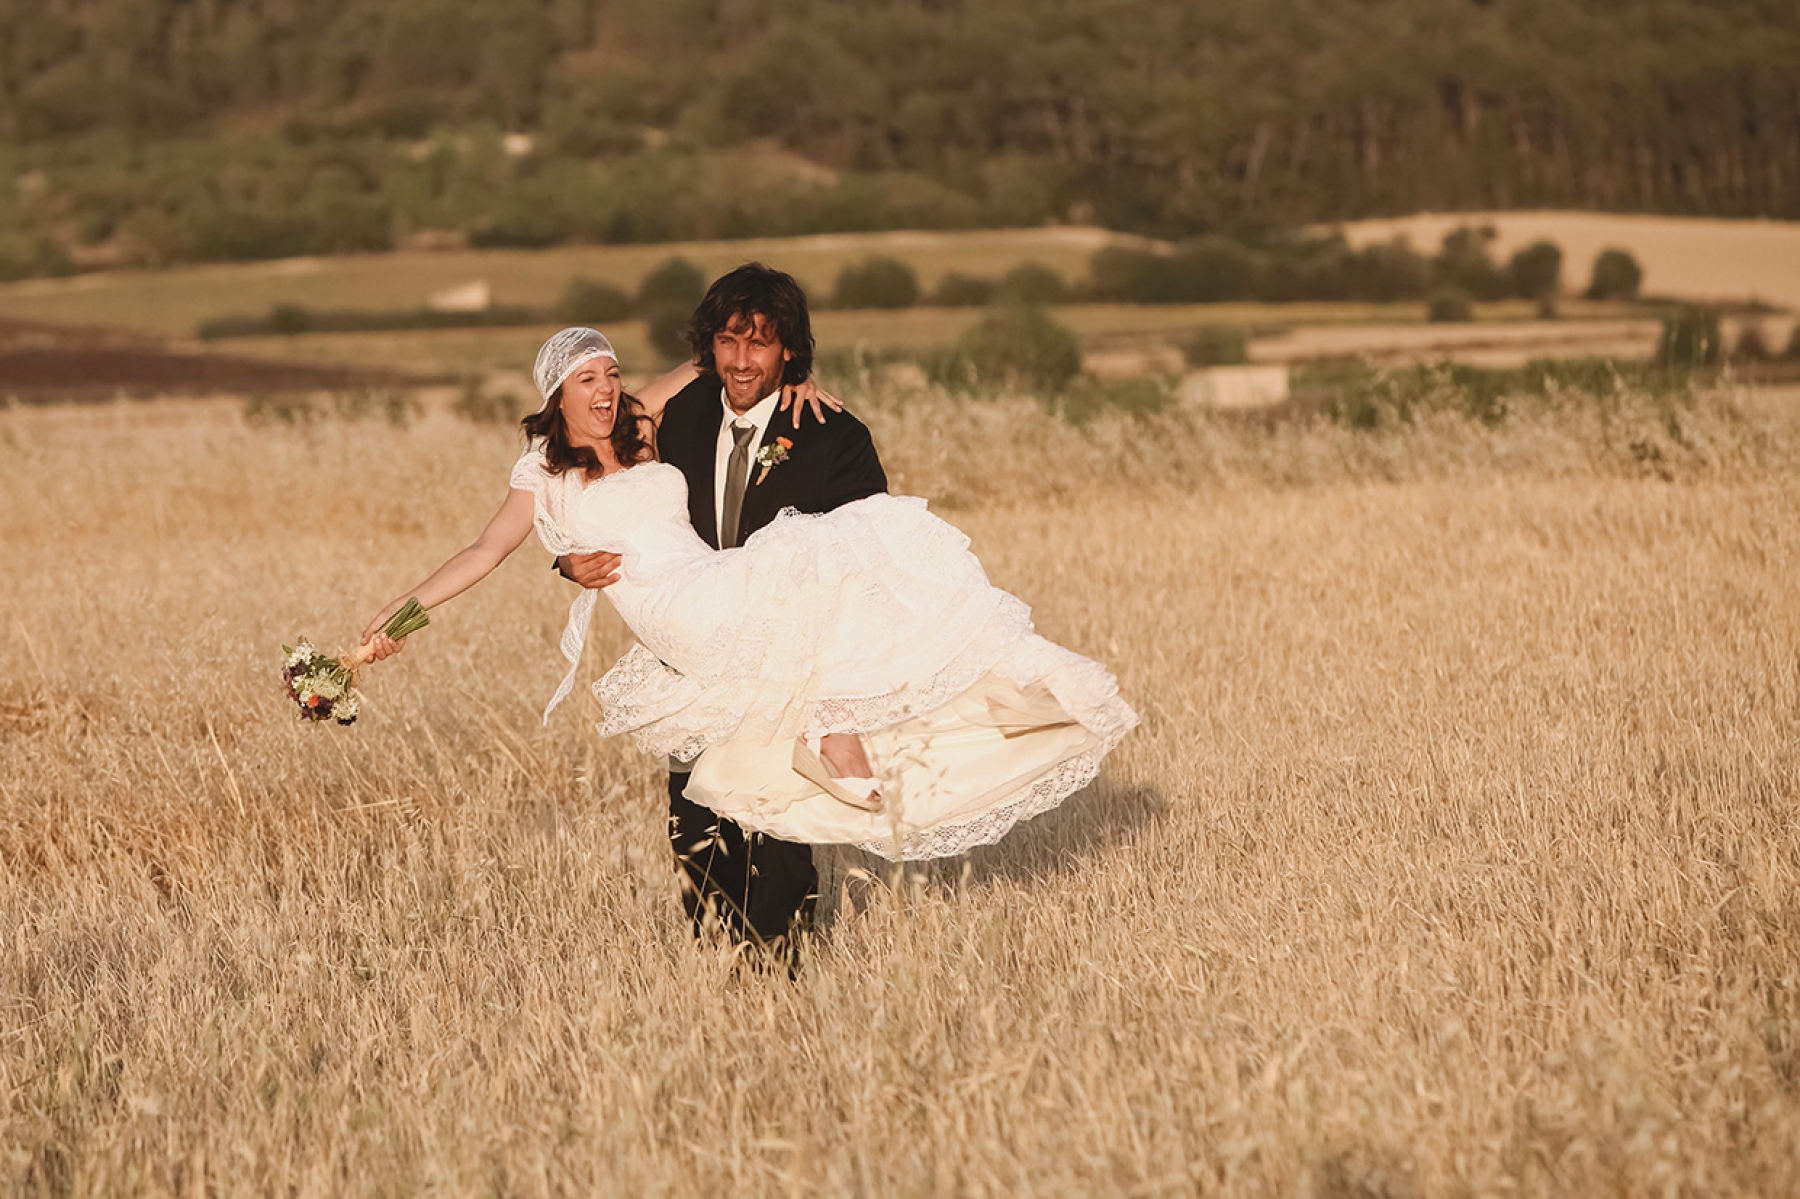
x=750 y=358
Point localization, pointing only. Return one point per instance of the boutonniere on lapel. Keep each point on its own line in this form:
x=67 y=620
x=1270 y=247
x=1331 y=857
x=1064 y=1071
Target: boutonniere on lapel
x=772 y=456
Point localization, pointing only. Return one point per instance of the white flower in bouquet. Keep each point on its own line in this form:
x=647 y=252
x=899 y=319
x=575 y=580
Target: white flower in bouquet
x=324 y=687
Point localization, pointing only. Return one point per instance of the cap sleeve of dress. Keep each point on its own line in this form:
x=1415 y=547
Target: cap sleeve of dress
x=550 y=496
x=532 y=470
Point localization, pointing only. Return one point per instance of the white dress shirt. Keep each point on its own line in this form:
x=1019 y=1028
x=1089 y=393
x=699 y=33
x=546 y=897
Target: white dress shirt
x=757 y=418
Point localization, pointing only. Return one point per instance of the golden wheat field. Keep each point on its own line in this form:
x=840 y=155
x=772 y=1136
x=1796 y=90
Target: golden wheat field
x=1457 y=853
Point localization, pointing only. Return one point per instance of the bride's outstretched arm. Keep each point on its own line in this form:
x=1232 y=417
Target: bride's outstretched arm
x=463 y=570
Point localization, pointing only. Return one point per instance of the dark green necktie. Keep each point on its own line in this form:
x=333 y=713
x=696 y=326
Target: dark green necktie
x=737 y=470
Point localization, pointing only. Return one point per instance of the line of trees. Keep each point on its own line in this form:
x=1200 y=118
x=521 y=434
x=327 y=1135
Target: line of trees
x=1212 y=270
x=237 y=128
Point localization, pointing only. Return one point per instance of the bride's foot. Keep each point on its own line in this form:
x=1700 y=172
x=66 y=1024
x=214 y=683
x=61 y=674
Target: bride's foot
x=844 y=756
x=837 y=764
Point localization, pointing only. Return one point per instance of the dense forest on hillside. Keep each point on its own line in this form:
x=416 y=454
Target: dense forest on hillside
x=161 y=130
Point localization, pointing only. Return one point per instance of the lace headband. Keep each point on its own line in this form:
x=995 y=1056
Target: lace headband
x=566 y=351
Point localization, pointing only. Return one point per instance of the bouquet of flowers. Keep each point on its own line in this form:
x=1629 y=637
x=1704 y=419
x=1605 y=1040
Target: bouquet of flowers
x=325 y=687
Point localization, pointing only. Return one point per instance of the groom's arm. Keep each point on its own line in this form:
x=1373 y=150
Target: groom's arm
x=590 y=570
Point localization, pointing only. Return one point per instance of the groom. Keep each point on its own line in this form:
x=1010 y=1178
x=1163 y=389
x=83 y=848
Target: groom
x=751 y=336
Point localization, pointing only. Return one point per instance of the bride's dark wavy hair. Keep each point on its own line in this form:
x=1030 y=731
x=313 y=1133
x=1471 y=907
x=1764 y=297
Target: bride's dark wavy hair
x=630 y=444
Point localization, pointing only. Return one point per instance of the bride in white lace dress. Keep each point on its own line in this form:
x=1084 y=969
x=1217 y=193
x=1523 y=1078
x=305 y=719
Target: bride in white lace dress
x=869 y=631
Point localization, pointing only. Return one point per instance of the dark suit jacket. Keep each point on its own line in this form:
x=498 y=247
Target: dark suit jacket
x=830 y=464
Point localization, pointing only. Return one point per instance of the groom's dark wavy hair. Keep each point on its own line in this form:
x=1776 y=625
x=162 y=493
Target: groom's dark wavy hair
x=751 y=289
x=629 y=441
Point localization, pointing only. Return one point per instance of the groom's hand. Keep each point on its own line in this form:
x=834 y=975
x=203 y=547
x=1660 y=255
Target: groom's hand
x=590 y=570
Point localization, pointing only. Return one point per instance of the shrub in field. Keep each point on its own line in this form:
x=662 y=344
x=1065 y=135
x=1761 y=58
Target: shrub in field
x=1018 y=346
x=475 y=403
x=1210 y=270
x=1448 y=305
x=1031 y=283
x=26 y=258
x=1535 y=272
x=288 y=319
x=1130 y=276
x=367 y=403
x=217 y=327
x=1464 y=264
x=666 y=299
x=1363 y=398
x=287 y=408
x=667 y=329
x=1691 y=338
x=1616 y=276
x=589 y=302
x=963 y=291
x=1088 y=398
x=1216 y=345
x=876 y=283
x=1385 y=272
x=1752 y=343
x=1216 y=269
x=356 y=403
x=1793 y=344
x=1310 y=268
x=676 y=282
x=292 y=319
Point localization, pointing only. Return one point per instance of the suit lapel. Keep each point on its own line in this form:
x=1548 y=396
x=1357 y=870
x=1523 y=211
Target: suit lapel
x=763 y=500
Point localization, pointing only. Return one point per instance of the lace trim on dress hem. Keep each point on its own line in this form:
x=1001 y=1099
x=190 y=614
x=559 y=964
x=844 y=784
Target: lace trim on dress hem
x=949 y=840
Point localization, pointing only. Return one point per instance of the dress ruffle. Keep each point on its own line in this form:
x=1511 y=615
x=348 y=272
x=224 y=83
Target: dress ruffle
x=872 y=619
x=849 y=621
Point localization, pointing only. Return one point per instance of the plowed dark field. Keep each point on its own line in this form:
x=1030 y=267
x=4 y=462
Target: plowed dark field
x=42 y=363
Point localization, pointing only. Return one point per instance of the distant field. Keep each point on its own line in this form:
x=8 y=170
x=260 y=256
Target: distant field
x=1280 y=332
x=910 y=330
x=1699 y=258
x=1689 y=257
x=174 y=302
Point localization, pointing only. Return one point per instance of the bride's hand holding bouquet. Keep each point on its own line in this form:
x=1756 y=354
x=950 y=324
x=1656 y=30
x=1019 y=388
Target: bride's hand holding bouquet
x=382 y=637
x=324 y=687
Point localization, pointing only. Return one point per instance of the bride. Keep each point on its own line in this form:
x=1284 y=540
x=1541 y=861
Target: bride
x=843 y=678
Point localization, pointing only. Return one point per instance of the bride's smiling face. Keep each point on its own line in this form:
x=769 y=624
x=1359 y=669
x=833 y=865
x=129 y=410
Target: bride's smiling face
x=590 y=401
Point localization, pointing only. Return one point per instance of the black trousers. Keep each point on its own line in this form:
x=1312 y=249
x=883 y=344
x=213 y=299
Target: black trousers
x=758 y=888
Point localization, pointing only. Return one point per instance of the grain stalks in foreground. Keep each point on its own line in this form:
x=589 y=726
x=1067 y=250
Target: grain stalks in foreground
x=1457 y=853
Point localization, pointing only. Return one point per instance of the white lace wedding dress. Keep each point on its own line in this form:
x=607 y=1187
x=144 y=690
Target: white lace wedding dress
x=872 y=619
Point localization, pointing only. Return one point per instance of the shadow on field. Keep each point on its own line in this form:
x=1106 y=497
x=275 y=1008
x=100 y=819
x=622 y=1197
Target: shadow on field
x=1035 y=852
x=1082 y=827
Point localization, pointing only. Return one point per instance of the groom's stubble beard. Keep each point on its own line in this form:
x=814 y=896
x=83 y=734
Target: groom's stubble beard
x=741 y=398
